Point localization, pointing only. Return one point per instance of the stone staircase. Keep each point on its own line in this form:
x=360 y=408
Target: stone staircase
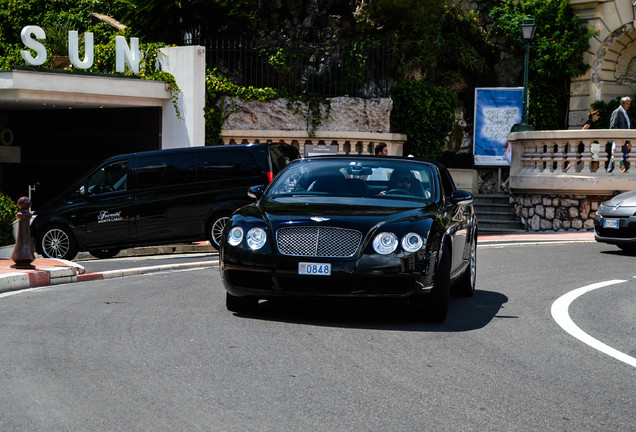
x=495 y=214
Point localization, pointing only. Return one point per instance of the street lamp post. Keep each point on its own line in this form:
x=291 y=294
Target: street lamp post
x=527 y=28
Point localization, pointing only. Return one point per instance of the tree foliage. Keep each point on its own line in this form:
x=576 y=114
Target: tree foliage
x=434 y=40
x=426 y=113
x=556 y=53
x=8 y=212
x=167 y=20
x=16 y=14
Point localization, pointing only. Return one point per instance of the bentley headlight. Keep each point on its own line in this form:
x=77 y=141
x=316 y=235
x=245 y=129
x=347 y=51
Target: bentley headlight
x=235 y=237
x=385 y=243
x=256 y=238
x=412 y=242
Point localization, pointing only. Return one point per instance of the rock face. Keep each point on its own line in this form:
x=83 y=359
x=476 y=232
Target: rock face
x=556 y=212
x=339 y=114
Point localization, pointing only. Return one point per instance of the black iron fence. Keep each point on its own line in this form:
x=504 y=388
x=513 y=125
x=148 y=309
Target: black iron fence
x=327 y=71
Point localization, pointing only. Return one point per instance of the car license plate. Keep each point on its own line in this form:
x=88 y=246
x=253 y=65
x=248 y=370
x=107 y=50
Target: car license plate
x=314 y=269
x=610 y=223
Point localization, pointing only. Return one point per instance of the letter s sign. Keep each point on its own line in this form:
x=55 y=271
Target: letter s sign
x=38 y=47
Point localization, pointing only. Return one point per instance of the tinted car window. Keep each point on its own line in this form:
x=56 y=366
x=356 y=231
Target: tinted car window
x=447 y=183
x=163 y=170
x=379 y=178
x=109 y=178
x=224 y=164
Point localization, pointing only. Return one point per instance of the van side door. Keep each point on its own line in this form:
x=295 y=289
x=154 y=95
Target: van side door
x=167 y=206
x=103 y=220
x=226 y=174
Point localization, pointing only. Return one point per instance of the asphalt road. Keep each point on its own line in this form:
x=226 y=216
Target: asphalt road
x=160 y=352
x=121 y=263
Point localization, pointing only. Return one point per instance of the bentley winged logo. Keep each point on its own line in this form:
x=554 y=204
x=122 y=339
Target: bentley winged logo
x=319 y=219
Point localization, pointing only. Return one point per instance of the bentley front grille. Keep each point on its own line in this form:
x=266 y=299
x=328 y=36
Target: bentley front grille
x=320 y=242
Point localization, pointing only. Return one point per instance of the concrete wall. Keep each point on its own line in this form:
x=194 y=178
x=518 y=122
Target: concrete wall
x=187 y=64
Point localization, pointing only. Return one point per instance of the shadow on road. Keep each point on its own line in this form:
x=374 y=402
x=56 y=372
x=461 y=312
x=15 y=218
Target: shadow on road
x=465 y=314
x=619 y=252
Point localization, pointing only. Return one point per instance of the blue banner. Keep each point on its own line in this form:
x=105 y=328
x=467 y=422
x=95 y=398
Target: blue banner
x=496 y=111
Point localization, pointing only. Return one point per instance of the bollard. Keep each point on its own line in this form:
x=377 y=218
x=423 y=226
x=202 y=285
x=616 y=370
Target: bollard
x=23 y=251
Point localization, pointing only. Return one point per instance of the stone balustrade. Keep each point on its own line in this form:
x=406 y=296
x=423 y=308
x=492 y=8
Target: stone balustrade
x=571 y=161
x=558 y=178
x=346 y=142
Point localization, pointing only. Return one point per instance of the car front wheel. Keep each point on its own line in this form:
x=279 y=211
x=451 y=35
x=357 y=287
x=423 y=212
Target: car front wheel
x=466 y=284
x=433 y=307
x=58 y=242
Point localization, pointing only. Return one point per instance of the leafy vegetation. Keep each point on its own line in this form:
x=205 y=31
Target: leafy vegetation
x=57 y=17
x=167 y=20
x=422 y=35
x=218 y=86
x=556 y=54
x=8 y=212
x=426 y=113
x=440 y=52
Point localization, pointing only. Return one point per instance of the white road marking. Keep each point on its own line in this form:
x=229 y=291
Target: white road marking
x=561 y=316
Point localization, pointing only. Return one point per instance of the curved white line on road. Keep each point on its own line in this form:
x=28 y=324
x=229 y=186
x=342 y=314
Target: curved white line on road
x=561 y=316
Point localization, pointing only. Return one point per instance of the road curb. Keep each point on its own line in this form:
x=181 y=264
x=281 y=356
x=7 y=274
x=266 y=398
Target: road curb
x=39 y=277
x=54 y=276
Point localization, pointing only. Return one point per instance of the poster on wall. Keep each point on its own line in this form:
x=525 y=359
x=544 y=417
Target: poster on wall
x=496 y=111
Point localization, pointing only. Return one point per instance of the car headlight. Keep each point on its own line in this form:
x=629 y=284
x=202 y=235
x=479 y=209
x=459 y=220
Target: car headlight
x=235 y=236
x=385 y=243
x=256 y=238
x=412 y=242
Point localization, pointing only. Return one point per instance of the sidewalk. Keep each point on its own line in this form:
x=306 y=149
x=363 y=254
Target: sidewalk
x=536 y=237
x=54 y=271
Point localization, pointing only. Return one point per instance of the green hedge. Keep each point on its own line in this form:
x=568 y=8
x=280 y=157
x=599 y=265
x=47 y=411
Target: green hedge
x=8 y=212
x=426 y=113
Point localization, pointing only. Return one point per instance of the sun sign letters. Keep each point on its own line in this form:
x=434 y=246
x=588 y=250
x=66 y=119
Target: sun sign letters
x=124 y=54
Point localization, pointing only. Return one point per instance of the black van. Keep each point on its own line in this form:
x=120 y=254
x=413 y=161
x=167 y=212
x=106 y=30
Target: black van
x=156 y=197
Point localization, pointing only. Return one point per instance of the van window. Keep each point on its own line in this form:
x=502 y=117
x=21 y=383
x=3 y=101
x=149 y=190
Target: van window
x=226 y=164
x=109 y=178
x=165 y=170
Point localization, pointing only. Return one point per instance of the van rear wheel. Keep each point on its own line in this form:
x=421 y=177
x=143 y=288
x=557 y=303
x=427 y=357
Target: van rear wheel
x=215 y=228
x=58 y=242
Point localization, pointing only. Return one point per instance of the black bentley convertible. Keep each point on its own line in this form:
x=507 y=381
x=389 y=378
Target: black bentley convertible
x=353 y=226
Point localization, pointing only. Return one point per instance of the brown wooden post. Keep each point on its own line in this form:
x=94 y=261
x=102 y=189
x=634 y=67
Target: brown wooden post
x=23 y=251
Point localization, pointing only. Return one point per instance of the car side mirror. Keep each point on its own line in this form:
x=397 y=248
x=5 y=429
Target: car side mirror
x=461 y=197
x=255 y=191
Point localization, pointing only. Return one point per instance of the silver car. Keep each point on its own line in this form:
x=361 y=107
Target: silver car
x=615 y=222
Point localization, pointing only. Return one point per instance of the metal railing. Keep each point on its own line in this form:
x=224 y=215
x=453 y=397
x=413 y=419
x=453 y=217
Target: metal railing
x=327 y=71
